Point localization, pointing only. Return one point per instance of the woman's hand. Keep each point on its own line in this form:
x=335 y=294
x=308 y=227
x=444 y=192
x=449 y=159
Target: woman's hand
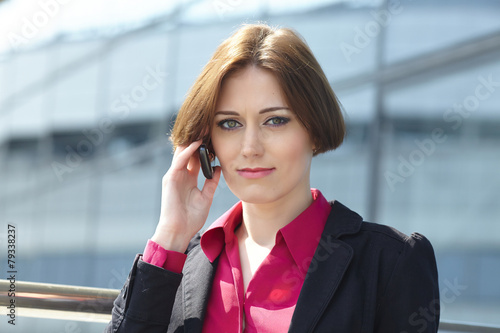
x=184 y=208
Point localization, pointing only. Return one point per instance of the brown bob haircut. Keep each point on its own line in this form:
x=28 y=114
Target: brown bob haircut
x=281 y=51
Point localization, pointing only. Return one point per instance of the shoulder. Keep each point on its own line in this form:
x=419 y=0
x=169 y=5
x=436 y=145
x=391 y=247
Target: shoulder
x=411 y=253
x=388 y=236
x=396 y=259
x=350 y=228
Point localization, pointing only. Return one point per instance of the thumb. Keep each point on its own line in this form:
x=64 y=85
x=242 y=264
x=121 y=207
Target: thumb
x=210 y=185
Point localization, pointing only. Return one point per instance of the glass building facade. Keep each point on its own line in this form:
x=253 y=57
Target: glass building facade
x=84 y=120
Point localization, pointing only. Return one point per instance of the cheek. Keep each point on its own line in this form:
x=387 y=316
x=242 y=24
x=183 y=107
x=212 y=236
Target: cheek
x=299 y=157
x=216 y=143
x=222 y=150
x=296 y=147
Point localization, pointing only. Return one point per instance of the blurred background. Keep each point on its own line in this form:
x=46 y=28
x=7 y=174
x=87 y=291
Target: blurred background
x=89 y=90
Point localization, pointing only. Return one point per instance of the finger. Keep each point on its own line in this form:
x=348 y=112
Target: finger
x=194 y=163
x=183 y=154
x=187 y=149
x=210 y=185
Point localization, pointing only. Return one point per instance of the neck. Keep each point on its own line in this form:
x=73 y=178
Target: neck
x=261 y=222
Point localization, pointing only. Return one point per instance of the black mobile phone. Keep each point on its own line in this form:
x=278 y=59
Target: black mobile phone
x=206 y=166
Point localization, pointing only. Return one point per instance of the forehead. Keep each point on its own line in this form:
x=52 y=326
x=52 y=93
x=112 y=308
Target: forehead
x=250 y=86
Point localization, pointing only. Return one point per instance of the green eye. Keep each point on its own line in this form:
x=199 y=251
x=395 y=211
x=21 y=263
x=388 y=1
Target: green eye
x=228 y=124
x=277 y=121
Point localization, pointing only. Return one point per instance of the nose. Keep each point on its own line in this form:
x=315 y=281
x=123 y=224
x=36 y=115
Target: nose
x=252 y=143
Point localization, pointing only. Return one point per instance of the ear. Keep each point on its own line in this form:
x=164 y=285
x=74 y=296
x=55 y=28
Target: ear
x=211 y=150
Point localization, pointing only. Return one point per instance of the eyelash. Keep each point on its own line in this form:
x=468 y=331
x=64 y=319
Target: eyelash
x=282 y=121
x=224 y=122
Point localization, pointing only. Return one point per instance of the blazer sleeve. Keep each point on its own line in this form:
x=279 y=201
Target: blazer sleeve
x=146 y=300
x=411 y=299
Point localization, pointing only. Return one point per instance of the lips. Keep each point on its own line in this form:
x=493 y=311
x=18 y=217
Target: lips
x=254 y=173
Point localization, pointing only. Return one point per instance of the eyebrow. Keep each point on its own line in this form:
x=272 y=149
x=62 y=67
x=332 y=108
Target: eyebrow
x=270 y=109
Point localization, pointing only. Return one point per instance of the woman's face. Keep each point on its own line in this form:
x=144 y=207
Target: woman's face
x=264 y=151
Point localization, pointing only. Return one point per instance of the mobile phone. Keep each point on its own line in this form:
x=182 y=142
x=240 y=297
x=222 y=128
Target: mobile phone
x=206 y=166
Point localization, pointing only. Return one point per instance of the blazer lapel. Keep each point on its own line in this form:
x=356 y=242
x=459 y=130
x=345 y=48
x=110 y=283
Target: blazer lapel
x=326 y=270
x=196 y=285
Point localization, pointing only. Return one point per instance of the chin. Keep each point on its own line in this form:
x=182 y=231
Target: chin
x=254 y=194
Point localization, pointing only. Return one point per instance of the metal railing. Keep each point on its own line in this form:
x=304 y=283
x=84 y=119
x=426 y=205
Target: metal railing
x=446 y=326
x=55 y=301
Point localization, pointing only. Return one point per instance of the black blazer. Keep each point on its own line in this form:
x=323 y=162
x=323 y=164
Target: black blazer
x=364 y=277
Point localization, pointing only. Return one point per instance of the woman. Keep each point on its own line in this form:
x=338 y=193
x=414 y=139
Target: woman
x=283 y=258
